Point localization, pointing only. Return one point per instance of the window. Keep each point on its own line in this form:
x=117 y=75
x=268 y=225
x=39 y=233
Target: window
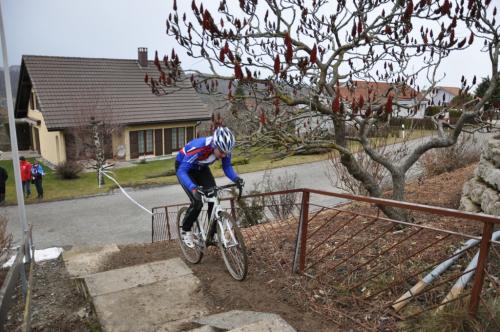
x=175 y=145
x=149 y=141
x=145 y=142
x=140 y=141
x=178 y=138
x=182 y=140
x=32 y=100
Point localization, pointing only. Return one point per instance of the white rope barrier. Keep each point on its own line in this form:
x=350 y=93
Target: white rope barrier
x=105 y=173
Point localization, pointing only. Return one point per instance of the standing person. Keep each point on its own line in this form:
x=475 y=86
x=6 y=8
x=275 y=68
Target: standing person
x=25 y=175
x=3 y=178
x=191 y=167
x=37 y=173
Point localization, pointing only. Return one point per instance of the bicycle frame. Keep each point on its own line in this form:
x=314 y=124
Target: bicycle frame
x=205 y=225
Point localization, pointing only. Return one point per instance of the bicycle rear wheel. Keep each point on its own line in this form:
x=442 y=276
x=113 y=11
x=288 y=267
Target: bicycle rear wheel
x=233 y=253
x=192 y=255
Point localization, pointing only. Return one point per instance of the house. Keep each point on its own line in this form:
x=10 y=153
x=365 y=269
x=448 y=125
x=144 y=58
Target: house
x=442 y=95
x=58 y=96
x=407 y=102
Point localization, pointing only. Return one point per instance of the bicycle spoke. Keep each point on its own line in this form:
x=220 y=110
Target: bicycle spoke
x=233 y=251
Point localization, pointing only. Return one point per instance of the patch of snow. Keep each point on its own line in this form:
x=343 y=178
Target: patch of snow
x=40 y=256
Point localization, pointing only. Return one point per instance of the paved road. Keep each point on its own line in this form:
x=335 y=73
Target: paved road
x=114 y=219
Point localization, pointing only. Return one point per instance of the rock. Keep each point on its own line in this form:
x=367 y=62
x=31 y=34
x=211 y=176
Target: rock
x=490 y=202
x=467 y=205
x=481 y=194
x=492 y=152
x=474 y=189
x=489 y=173
x=82 y=313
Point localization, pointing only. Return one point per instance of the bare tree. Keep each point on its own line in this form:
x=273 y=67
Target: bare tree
x=309 y=55
x=90 y=139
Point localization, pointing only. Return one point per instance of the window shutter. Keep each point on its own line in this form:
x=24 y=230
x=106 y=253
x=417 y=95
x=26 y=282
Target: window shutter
x=189 y=134
x=167 y=136
x=134 y=146
x=158 y=142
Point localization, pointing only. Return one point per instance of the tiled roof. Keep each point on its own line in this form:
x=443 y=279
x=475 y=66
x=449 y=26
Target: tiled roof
x=377 y=91
x=69 y=87
x=450 y=89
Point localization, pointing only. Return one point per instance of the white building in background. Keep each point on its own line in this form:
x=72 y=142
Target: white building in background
x=407 y=102
x=442 y=95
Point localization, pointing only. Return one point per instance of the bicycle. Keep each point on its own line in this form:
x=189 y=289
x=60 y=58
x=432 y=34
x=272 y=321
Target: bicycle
x=227 y=236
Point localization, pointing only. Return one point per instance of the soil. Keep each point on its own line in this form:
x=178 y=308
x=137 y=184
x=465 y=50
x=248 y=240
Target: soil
x=56 y=303
x=58 y=306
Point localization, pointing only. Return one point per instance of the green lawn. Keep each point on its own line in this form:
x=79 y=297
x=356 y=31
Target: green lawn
x=151 y=173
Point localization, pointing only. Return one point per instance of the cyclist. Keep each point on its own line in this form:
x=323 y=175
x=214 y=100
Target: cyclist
x=191 y=167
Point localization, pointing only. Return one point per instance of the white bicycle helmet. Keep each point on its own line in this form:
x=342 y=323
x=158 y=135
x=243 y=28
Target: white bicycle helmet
x=224 y=139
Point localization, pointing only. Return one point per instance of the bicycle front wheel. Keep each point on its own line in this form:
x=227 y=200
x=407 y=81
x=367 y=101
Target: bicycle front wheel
x=232 y=247
x=192 y=255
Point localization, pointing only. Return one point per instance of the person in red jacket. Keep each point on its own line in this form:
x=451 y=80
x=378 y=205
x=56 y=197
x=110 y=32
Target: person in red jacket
x=25 y=175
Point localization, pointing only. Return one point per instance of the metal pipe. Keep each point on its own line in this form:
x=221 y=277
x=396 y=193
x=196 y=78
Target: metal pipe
x=460 y=284
x=13 y=142
x=438 y=270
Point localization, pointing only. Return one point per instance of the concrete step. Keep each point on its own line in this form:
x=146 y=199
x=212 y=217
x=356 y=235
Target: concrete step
x=82 y=261
x=159 y=296
x=246 y=321
x=136 y=276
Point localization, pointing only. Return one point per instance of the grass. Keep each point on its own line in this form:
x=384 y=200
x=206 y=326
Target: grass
x=454 y=318
x=152 y=173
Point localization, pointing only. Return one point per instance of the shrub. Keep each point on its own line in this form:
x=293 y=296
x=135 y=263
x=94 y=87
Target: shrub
x=340 y=177
x=68 y=170
x=251 y=210
x=411 y=123
x=462 y=153
x=433 y=110
x=280 y=206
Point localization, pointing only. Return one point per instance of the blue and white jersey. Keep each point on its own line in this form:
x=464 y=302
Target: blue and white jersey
x=199 y=153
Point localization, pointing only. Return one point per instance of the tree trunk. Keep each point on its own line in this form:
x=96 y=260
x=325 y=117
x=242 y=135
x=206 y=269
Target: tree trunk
x=373 y=188
x=99 y=152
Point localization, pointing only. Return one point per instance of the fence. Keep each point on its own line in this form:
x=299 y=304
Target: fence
x=353 y=264
x=16 y=274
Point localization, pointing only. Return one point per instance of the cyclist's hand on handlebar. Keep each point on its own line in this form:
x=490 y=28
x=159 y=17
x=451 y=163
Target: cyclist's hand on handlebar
x=239 y=183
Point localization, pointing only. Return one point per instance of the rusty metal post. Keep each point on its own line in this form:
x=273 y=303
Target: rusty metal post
x=301 y=241
x=167 y=221
x=233 y=209
x=481 y=265
x=152 y=225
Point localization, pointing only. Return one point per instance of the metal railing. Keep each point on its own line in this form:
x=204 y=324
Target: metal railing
x=335 y=258
x=17 y=274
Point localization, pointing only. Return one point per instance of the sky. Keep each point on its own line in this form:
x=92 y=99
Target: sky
x=116 y=28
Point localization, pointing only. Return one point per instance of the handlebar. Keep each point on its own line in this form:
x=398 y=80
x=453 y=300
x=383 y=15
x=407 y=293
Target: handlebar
x=209 y=192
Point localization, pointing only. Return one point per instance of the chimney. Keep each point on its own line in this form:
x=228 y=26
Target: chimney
x=142 y=56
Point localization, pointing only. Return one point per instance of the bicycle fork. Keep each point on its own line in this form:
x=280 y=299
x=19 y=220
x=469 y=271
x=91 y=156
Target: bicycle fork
x=227 y=226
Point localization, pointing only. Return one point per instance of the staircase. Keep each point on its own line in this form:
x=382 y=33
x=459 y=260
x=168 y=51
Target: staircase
x=159 y=296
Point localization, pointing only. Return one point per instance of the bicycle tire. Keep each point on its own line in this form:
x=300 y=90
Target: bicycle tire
x=192 y=255
x=235 y=258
